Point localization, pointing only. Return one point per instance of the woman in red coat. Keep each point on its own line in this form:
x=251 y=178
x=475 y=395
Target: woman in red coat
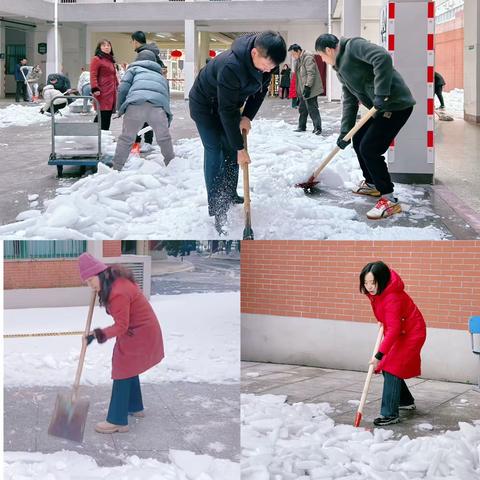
x=139 y=342
x=398 y=357
x=104 y=82
x=293 y=91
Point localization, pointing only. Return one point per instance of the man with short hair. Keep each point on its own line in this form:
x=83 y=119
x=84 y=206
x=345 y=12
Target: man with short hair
x=235 y=78
x=367 y=76
x=309 y=86
x=139 y=42
x=21 y=79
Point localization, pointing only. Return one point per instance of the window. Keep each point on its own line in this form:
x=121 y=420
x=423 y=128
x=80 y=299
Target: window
x=14 y=53
x=23 y=250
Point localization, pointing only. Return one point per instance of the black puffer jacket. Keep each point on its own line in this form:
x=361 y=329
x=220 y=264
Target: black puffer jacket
x=153 y=47
x=224 y=85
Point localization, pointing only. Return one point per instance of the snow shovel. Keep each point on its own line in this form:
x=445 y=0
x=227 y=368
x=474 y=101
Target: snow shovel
x=70 y=414
x=247 y=231
x=309 y=185
x=444 y=117
x=358 y=417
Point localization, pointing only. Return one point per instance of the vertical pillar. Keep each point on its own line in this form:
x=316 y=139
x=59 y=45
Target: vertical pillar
x=203 y=49
x=3 y=48
x=472 y=60
x=351 y=18
x=191 y=47
x=51 y=68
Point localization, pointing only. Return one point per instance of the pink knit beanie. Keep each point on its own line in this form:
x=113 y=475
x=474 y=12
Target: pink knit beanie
x=89 y=266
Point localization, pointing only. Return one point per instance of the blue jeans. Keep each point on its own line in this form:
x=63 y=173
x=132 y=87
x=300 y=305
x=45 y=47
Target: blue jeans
x=220 y=168
x=395 y=393
x=126 y=398
x=86 y=92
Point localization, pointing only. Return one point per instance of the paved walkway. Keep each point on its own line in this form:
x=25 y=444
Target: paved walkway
x=440 y=404
x=203 y=418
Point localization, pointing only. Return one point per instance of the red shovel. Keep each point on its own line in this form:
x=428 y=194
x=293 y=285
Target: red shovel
x=311 y=182
x=358 y=417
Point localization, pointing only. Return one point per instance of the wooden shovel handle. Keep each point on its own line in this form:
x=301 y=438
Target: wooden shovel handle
x=84 y=344
x=246 y=183
x=347 y=137
x=370 y=371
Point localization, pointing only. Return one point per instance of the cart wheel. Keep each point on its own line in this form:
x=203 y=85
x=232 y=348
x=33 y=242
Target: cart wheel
x=60 y=171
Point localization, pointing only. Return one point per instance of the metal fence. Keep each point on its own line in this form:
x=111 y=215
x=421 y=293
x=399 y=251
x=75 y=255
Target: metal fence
x=23 y=250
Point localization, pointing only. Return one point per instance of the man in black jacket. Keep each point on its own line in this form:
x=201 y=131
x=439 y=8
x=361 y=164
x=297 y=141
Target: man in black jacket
x=235 y=78
x=366 y=73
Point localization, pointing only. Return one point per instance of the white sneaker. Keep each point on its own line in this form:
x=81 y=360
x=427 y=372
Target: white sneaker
x=384 y=208
x=146 y=148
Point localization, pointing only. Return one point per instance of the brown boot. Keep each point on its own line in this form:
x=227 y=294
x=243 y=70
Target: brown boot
x=107 y=427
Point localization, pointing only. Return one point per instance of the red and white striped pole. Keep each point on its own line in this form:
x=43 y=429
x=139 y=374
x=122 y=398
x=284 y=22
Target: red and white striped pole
x=391 y=51
x=430 y=82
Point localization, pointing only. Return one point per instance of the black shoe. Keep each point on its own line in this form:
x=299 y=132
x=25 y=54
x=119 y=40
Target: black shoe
x=237 y=199
x=300 y=130
x=382 y=421
x=220 y=221
x=318 y=131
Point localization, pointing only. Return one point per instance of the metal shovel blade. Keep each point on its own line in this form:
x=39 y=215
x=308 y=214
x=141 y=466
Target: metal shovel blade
x=69 y=418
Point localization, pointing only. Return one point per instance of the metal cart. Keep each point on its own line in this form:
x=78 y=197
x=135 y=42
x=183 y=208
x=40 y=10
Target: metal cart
x=70 y=126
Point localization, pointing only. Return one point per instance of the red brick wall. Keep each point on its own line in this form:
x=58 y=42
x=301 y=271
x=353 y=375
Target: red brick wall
x=112 y=248
x=320 y=279
x=449 y=51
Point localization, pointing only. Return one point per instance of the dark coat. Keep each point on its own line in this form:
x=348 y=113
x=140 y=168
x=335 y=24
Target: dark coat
x=285 y=78
x=439 y=80
x=62 y=84
x=404 y=329
x=103 y=78
x=19 y=76
x=366 y=70
x=224 y=84
x=139 y=341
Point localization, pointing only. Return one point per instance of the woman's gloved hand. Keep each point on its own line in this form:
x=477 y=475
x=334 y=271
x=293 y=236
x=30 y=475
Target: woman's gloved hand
x=98 y=334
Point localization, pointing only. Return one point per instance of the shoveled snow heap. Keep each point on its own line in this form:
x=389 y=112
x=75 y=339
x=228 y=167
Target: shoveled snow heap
x=149 y=200
x=67 y=465
x=454 y=102
x=201 y=343
x=300 y=442
x=21 y=115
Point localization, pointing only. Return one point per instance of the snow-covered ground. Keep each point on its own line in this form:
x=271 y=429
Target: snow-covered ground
x=201 y=336
x=454 y=102
x=22 y=115
x=67 y=465
x=149 y=200
x=300 y=442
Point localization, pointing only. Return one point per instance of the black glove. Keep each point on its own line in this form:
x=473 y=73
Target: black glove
x=341 y=143
x=41 y=111
x=306 y=92
x=99 y=335
x=90 y=338
x=380 y=102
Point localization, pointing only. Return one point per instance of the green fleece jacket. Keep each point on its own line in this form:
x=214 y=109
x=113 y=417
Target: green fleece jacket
x=366 y=70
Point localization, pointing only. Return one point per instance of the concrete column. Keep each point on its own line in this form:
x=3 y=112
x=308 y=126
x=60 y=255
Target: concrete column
x=191 y=47
x=472 y=60
x=351 y=18
x=203 y=49
x=3 y=49
x=335 y=88
x=51 y=52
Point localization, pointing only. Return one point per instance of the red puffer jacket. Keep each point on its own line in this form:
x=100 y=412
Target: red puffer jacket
x=404 y=329
x=139 y=344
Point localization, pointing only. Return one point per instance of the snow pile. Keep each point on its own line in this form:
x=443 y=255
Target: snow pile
x=21 y=115
x=201 y=343
x=68 y=465
x=149 y=200
x=300 y=442
x=454 y=102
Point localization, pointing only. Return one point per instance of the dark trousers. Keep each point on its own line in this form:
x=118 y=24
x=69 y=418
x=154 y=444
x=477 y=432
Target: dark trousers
x=105 y=119
x=148 y=136
x=372 y=141
x=294 y=102
x=220 y=167
x=285 y=92
x=439 y=94
x=21 y=91
x=395 y=393
x=126 y=398
x=309 y=107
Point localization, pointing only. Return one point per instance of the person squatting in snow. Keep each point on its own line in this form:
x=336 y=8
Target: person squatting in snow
x=235 y=78
x=398 y=357
x=366 y=73
x=139 y=341
x=144 y=95
x=53 y=97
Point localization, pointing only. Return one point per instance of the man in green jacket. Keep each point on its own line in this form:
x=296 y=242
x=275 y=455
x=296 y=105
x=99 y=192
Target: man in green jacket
x=309 y=86
x=368 y=77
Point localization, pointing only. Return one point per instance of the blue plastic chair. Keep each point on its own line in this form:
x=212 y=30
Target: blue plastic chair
x=474 y=329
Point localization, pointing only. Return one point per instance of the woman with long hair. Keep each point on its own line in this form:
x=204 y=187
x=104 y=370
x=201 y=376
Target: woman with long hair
x=139 y=341
x=398 y=357
x=104 y=81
